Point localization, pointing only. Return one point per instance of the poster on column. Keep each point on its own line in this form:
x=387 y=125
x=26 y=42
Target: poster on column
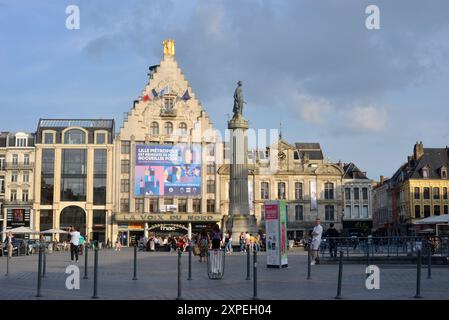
x=168 y=170
x=276 y=234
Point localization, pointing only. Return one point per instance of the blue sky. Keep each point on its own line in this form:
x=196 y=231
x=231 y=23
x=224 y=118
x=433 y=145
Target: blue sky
x=365 y=95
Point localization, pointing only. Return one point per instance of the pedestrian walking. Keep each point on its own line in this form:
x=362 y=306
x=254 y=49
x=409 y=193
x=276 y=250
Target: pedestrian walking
x=204 y=244
x=118 y=243
x=216 y=237
x=316 y=241
x=332 y=233
x=228 y=247
x=242 y=242
x=74 y=243
x=9 y=245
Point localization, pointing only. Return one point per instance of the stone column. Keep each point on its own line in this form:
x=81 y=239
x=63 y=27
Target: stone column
x=239 y=217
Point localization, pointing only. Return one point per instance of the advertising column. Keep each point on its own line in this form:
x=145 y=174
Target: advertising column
x=276 y=234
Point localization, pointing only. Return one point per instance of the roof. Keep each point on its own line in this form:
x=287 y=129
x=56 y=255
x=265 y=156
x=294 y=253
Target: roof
x=351 y=171
x=312 y=149
x=83 y=123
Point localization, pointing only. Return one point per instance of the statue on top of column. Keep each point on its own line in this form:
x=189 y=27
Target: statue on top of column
x=238 y=100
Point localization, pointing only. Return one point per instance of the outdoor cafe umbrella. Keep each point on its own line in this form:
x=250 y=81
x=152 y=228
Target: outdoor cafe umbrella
x=54 y=231
x=21 y=230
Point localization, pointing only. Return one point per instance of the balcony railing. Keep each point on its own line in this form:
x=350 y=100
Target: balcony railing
x=19 y=165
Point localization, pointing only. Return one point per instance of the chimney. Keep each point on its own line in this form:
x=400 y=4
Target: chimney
x=418 y=150
x=382 y=179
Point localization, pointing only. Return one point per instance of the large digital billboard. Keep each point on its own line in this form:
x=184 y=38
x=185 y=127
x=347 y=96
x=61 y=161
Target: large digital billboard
x=163 y=170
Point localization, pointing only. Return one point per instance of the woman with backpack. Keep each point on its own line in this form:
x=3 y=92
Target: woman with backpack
x=204 y=244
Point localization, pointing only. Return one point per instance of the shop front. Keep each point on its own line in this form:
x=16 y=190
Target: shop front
x=18 y=217
x=132 y=226
x=359 y=228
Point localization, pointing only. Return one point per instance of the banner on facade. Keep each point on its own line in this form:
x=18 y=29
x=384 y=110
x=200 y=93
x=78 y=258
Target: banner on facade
x=276 y=233
x=163 y=170
x=313 y=196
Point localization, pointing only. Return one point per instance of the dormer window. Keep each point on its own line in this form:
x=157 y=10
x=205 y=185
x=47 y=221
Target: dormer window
x=21 y=140
x=425 y=172
x=444 y=173
x=75 y=136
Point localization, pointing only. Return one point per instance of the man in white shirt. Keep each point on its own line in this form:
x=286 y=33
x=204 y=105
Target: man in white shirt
x=316 y=240
x=74 y=243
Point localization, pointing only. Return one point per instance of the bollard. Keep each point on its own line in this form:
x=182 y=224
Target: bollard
x=135 y=262
x=44 y=265
x=248 y=258
x=179 y=297
x=39 y=273
x=429 y=264
x=86 y=252
x=255 y=276
x=340 y=276
x=308 y=265
x=190 y=261
x=418 y=275
x=7 y=265
x=95 y=296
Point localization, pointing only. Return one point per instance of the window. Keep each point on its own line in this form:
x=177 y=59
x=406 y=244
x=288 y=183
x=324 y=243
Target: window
x=299 y=213
x=426 y=193
x=281 y=190
x=14 y=177
x=74 y=136
x=47 y=176
x=196 y=204
x=169 y=104
x=2 y=185
x=25 y=195
x=124 y=166
x=210 y=186
x=416 y=193
x=140 y=205
x=21 y=142
x=74 y=175
x=348 y=194
x=446 y=209
x=15 y=159
x=365 y=193
x=46 y=219
x=436 y=193
x=425 y=172
x=298 y=190
x=443 y=174
x=26 y=177
x=348 y=211
x=124 y=204
x=48 y=138
x=356 y=212
x=210 y=149
x=329 y=191
x=417 y=212
x=436 y=210
x=365 y=212
x=265 y=190
x=2 y=164
x=26 y=159
x=168 y=127
x=356 y=194
x=100 y=171
x=101 y=138
x=125 y=147
x=445 y=193
x=183 y=128
x=426 y=211
x=13 y=196
x=182 y=205
x=153 y=205
x=211 y=168
x=99 y=217
x=124 y=185
x=329 y=213
x=210 y=205
x=154 y=127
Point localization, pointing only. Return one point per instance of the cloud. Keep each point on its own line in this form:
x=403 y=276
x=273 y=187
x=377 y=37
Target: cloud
x=366 y=119
x=312 y=109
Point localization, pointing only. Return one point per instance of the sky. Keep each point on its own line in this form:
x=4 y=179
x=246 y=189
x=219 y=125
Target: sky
x=366 y=95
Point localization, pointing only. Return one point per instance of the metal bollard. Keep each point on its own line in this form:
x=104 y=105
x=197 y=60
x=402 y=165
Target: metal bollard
x=179 y=297
x=429 y=264
x=248 y=258
x=308 y=265
x=39 y=273
x=418 y=276
x=44 y=266
x=367 y=255
x=7 y=265
x=95 y=296
x=86 y=252
x=190 y=262
x=135 y=262
x=340 y=276
x=255 y=276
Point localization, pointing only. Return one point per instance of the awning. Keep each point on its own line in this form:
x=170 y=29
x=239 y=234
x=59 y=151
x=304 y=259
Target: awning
x=21 y=230
x=434 y=220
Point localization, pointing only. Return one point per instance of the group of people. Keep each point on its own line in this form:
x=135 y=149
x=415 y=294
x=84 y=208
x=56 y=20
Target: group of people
x=253 y=242
x=315 y=241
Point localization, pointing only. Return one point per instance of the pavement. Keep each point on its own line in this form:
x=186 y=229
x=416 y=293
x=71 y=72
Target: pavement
x=157 y=279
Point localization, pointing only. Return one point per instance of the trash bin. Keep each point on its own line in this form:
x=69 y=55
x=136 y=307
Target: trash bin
x=215 y=263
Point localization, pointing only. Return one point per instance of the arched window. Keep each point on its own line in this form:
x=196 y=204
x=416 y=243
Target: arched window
x=154 y=127
x=74 y=136
x=168 y=128
x=183 y=128
x=281 y=190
